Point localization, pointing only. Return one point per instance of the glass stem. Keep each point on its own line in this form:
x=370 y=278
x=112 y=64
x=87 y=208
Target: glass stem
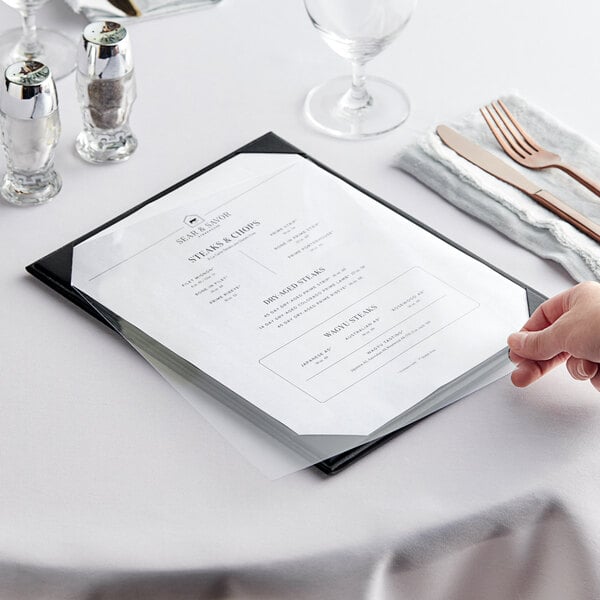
x=29 y=46
x=357 y=98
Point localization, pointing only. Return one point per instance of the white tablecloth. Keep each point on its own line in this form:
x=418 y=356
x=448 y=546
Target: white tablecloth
x=113 y=487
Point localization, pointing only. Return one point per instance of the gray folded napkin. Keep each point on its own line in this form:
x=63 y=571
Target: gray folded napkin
x=507 y=209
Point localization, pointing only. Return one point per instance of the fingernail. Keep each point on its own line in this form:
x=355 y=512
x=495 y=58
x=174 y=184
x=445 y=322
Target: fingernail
x=581 y=370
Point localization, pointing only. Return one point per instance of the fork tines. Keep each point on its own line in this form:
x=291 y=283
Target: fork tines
x=508 y=132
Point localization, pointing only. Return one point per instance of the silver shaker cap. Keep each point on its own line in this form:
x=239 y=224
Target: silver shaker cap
x=105 y=51
x=28 y=92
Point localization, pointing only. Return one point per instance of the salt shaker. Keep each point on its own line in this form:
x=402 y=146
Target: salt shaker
x=30 y=127
x=106 y=90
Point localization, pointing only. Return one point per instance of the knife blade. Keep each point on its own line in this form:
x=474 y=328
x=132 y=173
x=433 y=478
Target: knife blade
x=498 y=168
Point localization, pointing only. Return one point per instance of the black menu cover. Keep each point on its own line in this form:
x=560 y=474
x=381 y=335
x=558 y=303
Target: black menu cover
x=55 y=269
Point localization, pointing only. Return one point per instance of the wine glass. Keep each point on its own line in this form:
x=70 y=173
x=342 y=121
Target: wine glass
x=32 y=44
x=358 y=30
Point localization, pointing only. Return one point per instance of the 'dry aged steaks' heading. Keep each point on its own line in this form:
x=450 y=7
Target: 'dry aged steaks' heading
x=292 y=286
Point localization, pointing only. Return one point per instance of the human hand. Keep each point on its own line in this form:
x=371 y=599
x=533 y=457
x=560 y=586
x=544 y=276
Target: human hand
x=564 y=328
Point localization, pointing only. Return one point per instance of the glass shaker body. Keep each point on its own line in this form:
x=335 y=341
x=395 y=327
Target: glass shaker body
x=30 y=125
x=106 y=90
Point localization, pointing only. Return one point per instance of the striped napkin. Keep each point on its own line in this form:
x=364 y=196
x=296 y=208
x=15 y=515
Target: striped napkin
x=505 y=208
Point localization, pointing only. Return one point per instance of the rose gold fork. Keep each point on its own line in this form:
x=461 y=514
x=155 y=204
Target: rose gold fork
x=522 y=148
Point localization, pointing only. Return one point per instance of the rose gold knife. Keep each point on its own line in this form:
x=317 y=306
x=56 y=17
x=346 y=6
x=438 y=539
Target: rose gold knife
x=498 y=168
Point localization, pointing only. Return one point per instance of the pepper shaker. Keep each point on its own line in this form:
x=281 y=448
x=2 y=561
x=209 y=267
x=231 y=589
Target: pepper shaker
x=106 y=90
x=30 y=127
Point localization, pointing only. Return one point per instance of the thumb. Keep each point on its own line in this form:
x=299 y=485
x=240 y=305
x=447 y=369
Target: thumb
x=537 y=345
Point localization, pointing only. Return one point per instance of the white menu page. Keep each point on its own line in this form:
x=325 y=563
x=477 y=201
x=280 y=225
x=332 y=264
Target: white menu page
x=317 y=304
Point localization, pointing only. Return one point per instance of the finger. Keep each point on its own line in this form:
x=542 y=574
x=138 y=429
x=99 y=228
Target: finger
x=515 y=358
x=529 y=371
x=518 y=359
x=548 y=312
x=539 y=345
x=581 y=369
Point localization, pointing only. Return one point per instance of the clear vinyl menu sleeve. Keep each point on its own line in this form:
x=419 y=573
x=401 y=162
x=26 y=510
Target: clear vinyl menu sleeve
x=323 y=309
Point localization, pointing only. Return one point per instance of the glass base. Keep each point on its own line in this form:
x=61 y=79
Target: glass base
x=58 y=51
x=103 y=147
x=389 y=108
x=30 y=190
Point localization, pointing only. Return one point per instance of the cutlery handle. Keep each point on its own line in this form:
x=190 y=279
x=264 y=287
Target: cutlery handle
x=588 y=183
x=564 y=211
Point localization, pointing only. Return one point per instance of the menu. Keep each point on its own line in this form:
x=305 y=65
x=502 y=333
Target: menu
x=321 y=307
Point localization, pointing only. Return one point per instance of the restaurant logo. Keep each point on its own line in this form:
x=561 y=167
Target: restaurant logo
x=193 y=220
